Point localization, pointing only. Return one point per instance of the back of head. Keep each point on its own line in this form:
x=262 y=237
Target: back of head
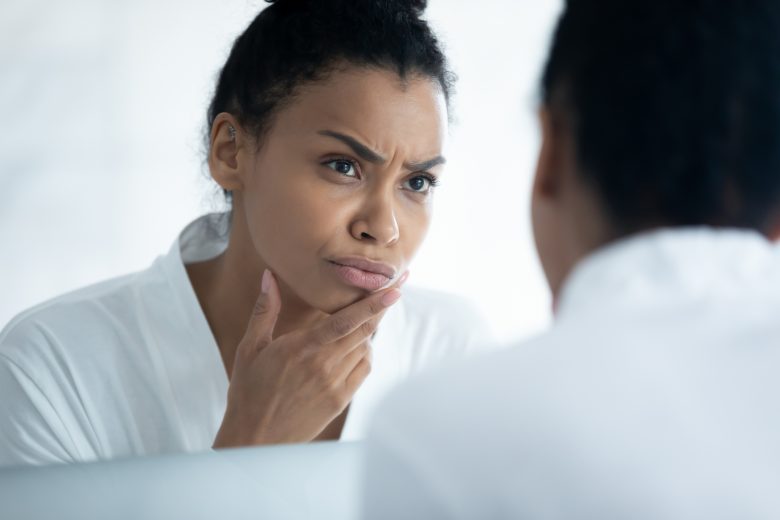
x=674 y=107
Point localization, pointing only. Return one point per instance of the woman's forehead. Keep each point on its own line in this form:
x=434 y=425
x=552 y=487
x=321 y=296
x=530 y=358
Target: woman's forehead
x=360 y=92
x=374 y=103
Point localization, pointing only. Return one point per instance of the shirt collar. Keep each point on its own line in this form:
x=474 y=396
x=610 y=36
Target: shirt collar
x=204 y=238
x=200 y=240
x=669 y=263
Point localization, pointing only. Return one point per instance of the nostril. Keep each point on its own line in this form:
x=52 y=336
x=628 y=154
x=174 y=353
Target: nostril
x=365 y=235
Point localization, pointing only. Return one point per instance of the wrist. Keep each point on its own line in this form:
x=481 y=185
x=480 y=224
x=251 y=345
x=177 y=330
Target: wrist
x=234 y=433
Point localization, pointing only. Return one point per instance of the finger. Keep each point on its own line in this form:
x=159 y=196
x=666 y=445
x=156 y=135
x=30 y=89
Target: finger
x=357 y=376
x=349 y=319
x=262 y=321
x=401 y=280
x=340 y=348
x=344 y=368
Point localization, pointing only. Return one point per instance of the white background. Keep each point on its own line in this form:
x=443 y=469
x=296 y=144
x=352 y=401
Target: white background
x=102 y=106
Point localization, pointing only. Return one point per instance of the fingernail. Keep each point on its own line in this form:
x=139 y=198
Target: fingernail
x=265 y=286
x=402 y=280
x=390 y=297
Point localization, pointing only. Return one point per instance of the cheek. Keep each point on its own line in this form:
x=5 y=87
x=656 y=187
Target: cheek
x=414 y=222
x=545 y=233
x=287 y=219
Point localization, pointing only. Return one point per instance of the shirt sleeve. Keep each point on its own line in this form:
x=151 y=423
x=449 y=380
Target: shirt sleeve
x=31 y=432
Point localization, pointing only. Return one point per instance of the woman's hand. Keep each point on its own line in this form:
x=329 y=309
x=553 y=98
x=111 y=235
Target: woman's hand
x=290 y=388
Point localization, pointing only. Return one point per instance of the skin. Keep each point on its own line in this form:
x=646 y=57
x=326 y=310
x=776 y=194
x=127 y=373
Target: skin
x=342 y=171
x=566 y=215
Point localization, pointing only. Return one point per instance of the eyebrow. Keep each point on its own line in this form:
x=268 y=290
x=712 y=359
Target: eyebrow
x=370 y=155
x=359 y=148
x=425 y=165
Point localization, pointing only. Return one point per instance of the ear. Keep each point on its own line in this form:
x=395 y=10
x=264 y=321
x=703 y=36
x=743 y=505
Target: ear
x=547 y=181
x=773 y=234
x=225 y=144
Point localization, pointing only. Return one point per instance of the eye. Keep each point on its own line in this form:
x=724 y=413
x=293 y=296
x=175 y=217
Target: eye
x=420 y=183
x=342 y=166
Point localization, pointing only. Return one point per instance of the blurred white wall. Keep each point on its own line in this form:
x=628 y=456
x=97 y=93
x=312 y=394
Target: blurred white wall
x=102 y=104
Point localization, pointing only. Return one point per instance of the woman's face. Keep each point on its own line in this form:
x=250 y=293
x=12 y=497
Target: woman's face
x=337 y=198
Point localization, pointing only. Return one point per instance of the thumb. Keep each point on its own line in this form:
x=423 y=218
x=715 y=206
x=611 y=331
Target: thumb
x=260 y=329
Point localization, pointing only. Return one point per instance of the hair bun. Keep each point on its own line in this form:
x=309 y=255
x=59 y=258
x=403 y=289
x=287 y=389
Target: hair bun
x=417 y=6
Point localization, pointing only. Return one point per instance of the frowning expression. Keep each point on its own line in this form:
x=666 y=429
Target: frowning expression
x=339 y=196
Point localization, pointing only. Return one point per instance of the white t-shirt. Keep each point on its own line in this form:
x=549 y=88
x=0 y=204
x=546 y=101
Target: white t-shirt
x=654 y=396
x=130 y=367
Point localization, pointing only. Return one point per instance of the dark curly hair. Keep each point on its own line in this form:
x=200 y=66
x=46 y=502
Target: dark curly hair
x=674 y=106
x=293 y=42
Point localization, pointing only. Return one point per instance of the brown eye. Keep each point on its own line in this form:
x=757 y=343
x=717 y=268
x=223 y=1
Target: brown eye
x=417 y=184
x=345 y=168
x=420 y=184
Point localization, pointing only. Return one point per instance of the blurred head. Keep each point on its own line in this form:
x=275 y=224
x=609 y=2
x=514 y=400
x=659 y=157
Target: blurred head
x=657 y=113
x=327 y=130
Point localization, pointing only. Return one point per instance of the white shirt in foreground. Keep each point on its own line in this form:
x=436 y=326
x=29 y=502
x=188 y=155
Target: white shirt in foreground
x=656 y=395
x=130 y=367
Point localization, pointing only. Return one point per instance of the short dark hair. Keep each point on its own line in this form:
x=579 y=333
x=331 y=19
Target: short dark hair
x=293 y=42
x=674 y=107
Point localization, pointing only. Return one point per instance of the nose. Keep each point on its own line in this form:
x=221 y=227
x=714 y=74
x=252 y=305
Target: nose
x=376 y=221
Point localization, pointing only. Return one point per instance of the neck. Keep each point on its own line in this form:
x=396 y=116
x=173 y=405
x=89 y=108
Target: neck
x=227 y=288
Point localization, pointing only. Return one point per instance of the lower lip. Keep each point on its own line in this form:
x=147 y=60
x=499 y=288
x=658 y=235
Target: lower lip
x=360 y=278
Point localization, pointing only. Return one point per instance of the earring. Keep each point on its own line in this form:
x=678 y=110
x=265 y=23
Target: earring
x=232 y=133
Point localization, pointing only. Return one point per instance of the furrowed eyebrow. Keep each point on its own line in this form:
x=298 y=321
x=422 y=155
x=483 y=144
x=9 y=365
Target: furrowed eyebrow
x=370 y=155
x=359 y=148
x=425 y=165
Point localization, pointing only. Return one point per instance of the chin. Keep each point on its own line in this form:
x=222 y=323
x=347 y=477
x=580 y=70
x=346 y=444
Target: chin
x=337 y=300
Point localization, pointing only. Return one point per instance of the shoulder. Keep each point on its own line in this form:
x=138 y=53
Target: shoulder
x=481 y=388
x=74 y=320
x=441 y=425
x=434 y=430
x=565 y=376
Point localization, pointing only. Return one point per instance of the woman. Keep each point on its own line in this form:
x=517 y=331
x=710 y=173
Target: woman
x=261 y=325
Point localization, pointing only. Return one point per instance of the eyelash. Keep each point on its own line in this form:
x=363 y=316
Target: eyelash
x=433 y=181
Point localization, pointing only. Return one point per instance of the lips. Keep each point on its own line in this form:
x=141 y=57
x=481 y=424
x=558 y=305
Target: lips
x=363 y=273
